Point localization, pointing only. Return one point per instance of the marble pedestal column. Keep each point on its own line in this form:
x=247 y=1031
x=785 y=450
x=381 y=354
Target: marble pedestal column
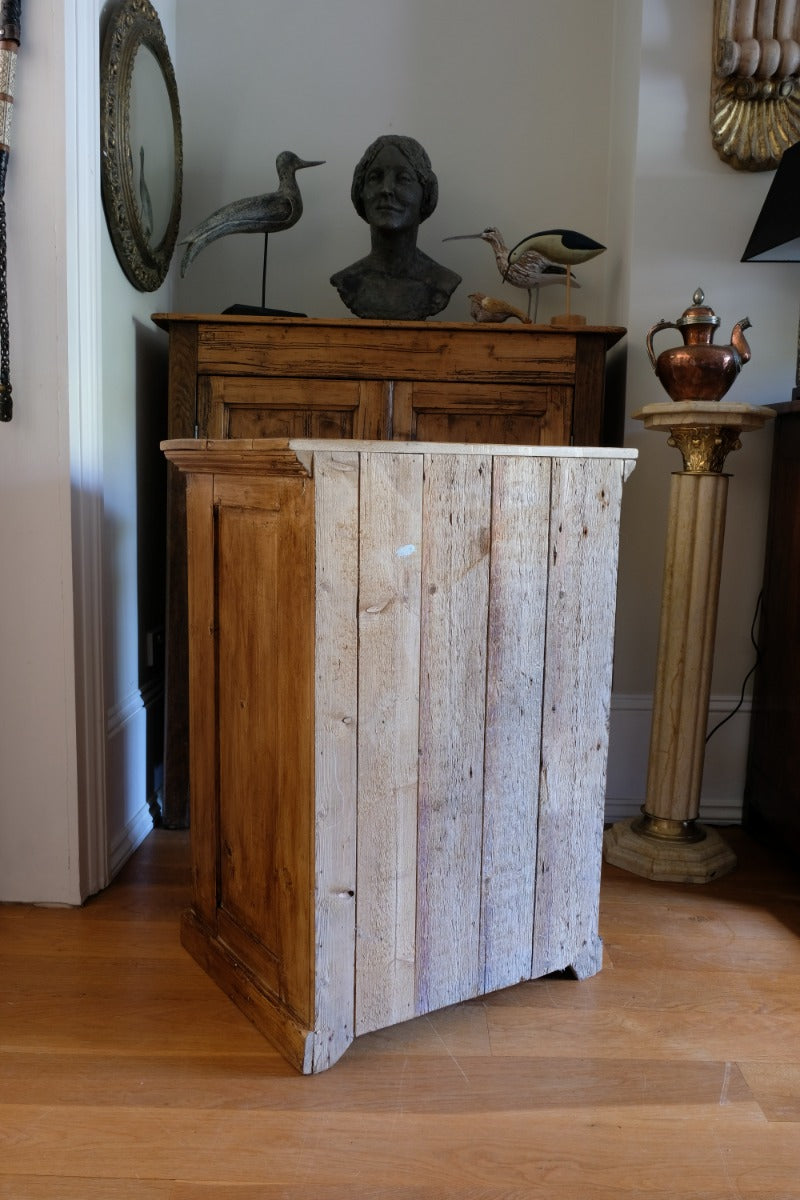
x=667 y=841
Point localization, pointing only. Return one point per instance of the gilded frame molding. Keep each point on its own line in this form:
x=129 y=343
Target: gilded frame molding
x=131 y=26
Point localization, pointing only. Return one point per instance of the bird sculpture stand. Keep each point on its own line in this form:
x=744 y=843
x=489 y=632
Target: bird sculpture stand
x=567 y=248
x=256 y=310
x=269 y=213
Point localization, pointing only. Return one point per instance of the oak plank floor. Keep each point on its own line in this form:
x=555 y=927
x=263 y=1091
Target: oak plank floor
x=674 y=1074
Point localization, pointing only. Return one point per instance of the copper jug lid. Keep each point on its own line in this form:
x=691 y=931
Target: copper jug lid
x=698 y=313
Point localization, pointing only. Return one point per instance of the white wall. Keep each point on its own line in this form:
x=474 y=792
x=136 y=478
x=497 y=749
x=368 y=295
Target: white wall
x=39 y=841
x=72 y=754
x=692 y=218
x=511 y=101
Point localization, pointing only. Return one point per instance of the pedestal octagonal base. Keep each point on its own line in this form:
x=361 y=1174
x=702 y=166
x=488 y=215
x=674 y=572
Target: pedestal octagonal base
x=665 y=859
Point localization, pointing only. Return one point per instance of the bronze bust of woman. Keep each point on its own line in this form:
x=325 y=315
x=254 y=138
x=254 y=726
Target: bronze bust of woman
x=394 y=189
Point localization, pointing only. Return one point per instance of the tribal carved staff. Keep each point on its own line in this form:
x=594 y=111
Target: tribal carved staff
x=9 y=44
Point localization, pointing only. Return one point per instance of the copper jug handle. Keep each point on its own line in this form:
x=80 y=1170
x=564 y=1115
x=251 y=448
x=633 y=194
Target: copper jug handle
x=649 y=339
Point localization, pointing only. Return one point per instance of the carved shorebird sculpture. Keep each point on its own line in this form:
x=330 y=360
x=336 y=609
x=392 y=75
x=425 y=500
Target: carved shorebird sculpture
x=564 y=246
x=531 y=272
x=486 y=308
x=265 y=214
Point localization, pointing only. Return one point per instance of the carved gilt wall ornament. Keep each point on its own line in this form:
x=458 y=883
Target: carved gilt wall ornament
x=705 y=448
x=755 y=85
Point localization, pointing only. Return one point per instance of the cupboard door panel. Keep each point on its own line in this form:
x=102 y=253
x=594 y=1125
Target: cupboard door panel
x=244 y=407
x=480 y=413
x=265 y=662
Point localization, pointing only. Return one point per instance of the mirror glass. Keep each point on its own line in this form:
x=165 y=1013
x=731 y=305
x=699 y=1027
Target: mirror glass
x=151 y=141
x=142 y=158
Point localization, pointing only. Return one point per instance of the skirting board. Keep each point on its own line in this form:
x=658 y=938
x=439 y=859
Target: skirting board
x=128 y=839
x=725 y=764
x=129 y=818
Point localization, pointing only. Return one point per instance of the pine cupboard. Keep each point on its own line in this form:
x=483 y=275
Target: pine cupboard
x=400 y=674
x=262 y=377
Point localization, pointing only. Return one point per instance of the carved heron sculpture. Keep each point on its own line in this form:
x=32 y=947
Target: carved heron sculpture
x=531 y=272
x=564 y=246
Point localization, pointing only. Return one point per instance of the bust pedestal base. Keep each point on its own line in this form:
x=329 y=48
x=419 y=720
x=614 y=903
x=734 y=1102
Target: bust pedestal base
x=667 y=859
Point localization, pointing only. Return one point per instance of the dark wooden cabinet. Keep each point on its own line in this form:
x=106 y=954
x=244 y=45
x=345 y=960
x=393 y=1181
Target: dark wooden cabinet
x=235 y=376
x=772 y=792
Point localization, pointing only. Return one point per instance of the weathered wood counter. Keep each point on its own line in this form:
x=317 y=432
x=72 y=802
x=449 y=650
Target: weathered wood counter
x=400 y=673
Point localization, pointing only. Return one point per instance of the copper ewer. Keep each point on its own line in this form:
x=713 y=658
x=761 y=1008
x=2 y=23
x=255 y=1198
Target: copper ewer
x=698 y=370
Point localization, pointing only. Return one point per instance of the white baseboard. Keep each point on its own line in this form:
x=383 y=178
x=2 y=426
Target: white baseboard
x=129 y=818
x=722 y=793
x=129 y=838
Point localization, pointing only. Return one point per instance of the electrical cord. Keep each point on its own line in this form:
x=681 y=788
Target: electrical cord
x=747 y=677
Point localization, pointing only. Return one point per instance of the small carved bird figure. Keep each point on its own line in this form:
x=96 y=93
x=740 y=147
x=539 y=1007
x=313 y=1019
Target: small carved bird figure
x=487 y=308
x=266 y=214
x=564 y=246
x=532 y=272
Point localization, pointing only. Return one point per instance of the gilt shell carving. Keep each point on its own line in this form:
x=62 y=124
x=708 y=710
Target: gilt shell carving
x=755 y=87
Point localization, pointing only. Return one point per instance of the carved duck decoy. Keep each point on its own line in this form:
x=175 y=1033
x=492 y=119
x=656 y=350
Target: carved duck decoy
x=487 y=308
x=268 y=213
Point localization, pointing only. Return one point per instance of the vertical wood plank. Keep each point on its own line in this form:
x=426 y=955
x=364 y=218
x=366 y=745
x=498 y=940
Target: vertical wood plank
x=517 y=608
x=404 y=427
x=372 y=418
x=336 y=752
x=202 y=718
x=390 y=573
x=181 y=418
x=455 y=593
x=586 y=498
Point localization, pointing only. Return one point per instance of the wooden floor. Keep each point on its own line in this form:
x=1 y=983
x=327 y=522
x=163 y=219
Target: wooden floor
x=675 y=1073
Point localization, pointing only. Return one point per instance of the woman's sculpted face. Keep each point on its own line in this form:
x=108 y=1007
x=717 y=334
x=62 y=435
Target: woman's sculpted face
x=394 y=189
x=392 y=192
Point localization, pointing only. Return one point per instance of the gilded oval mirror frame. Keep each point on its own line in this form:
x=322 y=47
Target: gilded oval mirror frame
x=142 y=183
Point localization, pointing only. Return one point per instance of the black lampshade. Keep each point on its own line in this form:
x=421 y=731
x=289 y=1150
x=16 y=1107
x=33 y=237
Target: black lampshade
x=776 y=236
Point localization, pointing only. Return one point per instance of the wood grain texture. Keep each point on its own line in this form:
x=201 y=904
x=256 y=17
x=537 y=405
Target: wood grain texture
x=516 y=634
x=181 y=421
x=390 y=571
x=336 y=482
x=399 y=782
x=455 y=593
x=251 y=571
x=265 y=590
x=202 y=718
x=579 y=640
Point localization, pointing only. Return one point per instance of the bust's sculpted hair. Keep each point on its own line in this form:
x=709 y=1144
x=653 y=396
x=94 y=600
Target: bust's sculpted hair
x=418 y=160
